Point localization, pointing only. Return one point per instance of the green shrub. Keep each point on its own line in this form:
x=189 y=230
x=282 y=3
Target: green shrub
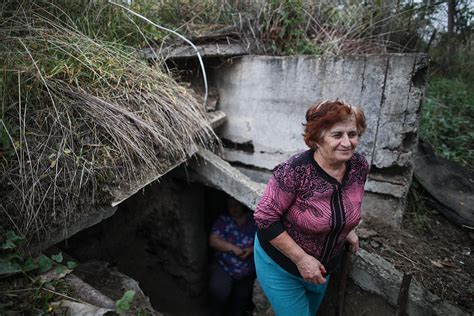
x=448 y=117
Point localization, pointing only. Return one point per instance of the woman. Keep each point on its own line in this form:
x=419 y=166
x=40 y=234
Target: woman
x=309 y=209
x=233 y=274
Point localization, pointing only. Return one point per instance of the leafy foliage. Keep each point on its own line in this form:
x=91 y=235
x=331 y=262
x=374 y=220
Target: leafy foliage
x=283 y=29
x=44 y=264
x=31 y=276
x=123 y=305
x=448 y=117
x=11 y=240
x=12 y=260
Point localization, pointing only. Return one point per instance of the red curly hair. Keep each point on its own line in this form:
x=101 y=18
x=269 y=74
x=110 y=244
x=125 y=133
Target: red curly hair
x=321 y=116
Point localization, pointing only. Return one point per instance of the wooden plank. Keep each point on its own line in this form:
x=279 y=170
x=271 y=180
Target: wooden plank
x=402 y=302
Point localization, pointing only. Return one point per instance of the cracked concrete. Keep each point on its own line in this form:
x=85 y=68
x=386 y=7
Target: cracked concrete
x=265 y=99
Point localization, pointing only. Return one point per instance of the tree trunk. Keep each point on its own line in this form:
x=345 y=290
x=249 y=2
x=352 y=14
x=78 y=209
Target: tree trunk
x=450 y=39
x=451 y=13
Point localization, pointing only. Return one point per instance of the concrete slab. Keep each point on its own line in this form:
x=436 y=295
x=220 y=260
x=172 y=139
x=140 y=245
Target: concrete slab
x=376 y=275
x=206 y=50
x=98 y=215
x=228 y=179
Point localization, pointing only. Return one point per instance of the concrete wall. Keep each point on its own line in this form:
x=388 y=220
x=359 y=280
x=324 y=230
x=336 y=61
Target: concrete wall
x=265 y=100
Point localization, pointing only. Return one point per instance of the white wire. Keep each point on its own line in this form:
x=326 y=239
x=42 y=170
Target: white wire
x=177 y=34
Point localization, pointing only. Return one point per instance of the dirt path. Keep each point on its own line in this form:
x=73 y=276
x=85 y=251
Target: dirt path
x=436 y=252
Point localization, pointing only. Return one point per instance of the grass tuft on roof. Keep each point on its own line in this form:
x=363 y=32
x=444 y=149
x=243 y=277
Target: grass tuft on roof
x=79 y=117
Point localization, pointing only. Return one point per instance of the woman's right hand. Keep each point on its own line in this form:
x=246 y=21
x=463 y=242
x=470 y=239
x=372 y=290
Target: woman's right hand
x=237 y=251
x=311 y=269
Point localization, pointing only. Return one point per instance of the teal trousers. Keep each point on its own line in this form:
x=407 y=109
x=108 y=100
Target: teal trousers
x=288 y=294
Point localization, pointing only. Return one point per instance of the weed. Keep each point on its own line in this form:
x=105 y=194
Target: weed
x=283 y=29
x=29 y=279
x=124 y=304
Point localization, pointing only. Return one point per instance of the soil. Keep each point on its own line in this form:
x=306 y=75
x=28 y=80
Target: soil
x=436 y=252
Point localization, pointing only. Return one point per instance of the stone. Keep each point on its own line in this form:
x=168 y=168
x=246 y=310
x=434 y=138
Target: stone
x=386 y=188
x=384 y=207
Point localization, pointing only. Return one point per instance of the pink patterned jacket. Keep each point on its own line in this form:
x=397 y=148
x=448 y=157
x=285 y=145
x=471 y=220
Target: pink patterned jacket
x=314 y=208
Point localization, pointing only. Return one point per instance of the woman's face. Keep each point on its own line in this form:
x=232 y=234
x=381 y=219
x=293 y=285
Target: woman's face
x=339 y=142
x=236 y=211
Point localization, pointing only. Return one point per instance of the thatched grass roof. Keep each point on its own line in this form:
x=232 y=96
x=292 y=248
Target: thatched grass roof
x=80 y=117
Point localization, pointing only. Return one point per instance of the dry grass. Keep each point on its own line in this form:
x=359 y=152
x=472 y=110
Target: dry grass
x=285 y=27
x=79 y=117
x=273 y=27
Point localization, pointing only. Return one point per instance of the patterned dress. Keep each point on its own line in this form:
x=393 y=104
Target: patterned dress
x=227 y=229
x=314 y=208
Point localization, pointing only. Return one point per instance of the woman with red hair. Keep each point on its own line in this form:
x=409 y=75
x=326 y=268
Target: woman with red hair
x=309 y=210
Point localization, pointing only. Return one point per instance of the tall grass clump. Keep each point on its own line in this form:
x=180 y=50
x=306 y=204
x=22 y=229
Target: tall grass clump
x=448 y=117
x=101 y=20
x=80 y=117
x=274 y=27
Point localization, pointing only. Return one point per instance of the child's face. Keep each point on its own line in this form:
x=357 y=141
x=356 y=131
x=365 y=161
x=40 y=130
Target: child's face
x=236 y=211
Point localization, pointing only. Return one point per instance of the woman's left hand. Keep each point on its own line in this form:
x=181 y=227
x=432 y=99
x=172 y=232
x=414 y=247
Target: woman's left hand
x=353 y=241
x=247 y=252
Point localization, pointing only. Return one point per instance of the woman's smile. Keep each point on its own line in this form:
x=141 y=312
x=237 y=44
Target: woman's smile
x=339 y=142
